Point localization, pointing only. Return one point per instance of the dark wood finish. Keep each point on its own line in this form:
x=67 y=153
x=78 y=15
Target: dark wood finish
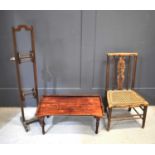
x=42 y=123
x=128 y=72
x=109 y=113
x=97 y=124
x=71 y=106
x=144 y=116
x=18 y=74
x=121 y=66
x=107 y=73
x=121 y=69
x=134 y=72
x=34 y=66
x=114 y=73
x=22 y=58
x=120 y=72
x=25 y=27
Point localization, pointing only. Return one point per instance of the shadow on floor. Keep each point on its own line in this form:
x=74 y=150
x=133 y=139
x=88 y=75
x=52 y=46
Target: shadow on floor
x=7 y=114
x=86 y=124
x=122 y=124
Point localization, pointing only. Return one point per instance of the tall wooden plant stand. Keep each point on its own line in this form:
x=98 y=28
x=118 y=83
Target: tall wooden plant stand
x=20 y=58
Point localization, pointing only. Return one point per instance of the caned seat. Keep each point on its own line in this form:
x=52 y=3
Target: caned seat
x=125 y=98
x=120 y=92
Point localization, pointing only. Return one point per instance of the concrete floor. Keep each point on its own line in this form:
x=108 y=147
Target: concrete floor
x=74 y=130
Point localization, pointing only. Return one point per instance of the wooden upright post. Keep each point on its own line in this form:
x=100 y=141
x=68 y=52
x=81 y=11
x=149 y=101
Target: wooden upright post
x=23 y=57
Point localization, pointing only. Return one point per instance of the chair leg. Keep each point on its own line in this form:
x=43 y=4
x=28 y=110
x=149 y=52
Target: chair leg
x=97 y=124
x=109 y=112
x=42 y=125
x=144 y=116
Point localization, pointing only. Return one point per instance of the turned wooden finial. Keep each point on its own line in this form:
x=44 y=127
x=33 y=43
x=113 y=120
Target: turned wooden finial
x=120 y=72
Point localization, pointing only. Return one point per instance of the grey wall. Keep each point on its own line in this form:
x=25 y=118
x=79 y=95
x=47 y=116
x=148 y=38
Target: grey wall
x=71 y=47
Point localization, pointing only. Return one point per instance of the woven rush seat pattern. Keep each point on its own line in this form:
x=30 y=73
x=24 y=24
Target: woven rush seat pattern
x=124 y=98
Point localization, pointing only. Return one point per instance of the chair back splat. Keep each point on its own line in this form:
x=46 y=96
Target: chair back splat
x=123 y=66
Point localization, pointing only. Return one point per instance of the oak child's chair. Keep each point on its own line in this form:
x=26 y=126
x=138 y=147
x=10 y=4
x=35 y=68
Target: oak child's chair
x=122 y=93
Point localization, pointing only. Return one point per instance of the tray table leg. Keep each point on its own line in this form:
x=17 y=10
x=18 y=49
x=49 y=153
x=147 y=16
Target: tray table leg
x=42 y=123
x=97 y=124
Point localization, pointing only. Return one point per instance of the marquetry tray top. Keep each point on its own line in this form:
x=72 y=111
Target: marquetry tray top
x=70 y=105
